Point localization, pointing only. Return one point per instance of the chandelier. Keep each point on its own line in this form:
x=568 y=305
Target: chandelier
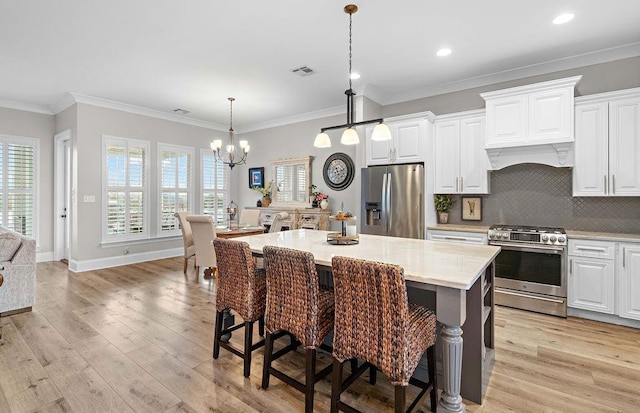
x=230 y=157
x=350 y=137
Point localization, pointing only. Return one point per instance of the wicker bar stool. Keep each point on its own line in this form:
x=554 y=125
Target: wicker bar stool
x=242 y=288
x=375 y=323
x=299 y=307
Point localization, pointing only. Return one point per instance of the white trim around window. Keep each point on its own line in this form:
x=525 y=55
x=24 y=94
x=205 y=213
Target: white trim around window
x=19 y=182
x=214 y=186
x=175 y=186
x=125 y=189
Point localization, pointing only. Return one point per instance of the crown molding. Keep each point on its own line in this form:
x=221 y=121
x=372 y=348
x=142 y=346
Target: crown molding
x=337 y=110
x=572 y=62
x=139 y=110
x=24 y=106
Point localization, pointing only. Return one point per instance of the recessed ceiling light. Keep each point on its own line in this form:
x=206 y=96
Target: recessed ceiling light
x=443 y=52
x=563 y=18
x=354 y=76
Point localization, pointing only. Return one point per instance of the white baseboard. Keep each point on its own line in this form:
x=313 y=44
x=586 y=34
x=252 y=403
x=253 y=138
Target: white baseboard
x=605 y=318
x=88 y=265
x=44 y=256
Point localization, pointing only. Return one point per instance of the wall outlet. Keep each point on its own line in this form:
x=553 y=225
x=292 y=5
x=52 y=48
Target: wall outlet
x=89 y=198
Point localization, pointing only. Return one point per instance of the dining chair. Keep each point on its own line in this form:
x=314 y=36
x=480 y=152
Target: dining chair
x=204 y=231
x=250 y=217
x=242 y=288
x=297 y=306
x=375 y=323
x=278 y=222
x=187 y=238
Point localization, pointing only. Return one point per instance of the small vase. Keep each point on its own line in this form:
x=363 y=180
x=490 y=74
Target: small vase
x=324 y=204
x=266 y=202
x=443 y=217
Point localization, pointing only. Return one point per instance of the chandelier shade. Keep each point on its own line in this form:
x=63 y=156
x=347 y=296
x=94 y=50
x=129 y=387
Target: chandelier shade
x=231 y=151
x=350 y=135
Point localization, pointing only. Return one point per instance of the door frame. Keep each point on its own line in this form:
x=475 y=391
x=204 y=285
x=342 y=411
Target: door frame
x=59 y=166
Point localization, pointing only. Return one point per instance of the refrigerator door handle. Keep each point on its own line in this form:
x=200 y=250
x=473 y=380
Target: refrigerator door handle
x=388 y=212
x=384 y=200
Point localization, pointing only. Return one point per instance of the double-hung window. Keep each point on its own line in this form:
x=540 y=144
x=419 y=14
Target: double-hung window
x=125 y=189
x=215 y=187
x=18 y=172
x=176 y=185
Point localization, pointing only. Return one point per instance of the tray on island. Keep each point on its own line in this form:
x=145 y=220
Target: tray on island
x=336 y=238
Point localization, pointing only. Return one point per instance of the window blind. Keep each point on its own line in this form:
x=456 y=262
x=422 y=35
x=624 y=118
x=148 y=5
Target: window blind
x=18 y=183
x=215 y=189
x=176 y=178
x=126 y=191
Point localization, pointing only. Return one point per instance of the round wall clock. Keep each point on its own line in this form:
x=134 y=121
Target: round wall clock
x=338 y=171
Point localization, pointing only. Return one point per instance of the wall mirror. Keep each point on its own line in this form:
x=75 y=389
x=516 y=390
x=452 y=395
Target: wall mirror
x=291 y=181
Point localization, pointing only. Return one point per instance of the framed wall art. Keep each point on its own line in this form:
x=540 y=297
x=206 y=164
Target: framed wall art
x=471 y=208
x=256 y=177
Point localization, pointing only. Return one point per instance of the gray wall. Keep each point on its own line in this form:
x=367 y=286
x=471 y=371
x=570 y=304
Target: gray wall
x=92 y=123
x=292 y=141
x=40 y=126
x=604 y=77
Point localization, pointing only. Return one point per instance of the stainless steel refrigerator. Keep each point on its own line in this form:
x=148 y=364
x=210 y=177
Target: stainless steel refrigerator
x=393 y=200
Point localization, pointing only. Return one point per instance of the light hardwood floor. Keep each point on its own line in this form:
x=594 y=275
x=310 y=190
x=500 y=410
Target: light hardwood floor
x=138 y=338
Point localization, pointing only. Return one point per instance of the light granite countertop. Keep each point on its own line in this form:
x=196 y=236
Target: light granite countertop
x=429 y=262
x=603 y=236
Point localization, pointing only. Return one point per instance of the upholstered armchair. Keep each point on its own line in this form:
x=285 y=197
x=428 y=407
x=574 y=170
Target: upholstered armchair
x=250 y=217
x=278 y=221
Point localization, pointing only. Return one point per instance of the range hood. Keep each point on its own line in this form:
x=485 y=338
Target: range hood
x=556 y=155
x=531 y=124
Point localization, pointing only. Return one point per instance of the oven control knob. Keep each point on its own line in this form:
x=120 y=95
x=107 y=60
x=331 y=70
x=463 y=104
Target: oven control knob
x=505 y=235
x=552 y=238
x=561 y=238
x=545 y=238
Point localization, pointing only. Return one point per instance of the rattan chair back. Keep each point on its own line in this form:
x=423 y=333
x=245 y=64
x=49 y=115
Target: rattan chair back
x=293 y=296
x=240 y=287
x=372 y=316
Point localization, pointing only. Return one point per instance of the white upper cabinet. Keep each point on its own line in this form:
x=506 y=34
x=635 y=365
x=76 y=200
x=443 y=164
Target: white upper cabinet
x=408 y=143
x=607 y=147
x=532 y=115
x=536 y=114
x=460 y=161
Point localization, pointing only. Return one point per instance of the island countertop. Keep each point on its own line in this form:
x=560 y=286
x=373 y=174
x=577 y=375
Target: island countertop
x=435 y=263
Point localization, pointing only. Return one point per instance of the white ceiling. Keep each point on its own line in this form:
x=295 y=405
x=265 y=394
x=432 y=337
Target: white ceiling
x=167 y=54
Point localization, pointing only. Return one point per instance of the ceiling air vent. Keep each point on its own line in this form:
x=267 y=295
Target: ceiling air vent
x=303 y=71
x=180 y=111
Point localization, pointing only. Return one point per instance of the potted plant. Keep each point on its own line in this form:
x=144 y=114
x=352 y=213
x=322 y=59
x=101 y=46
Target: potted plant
x=443 y=204
x=266 y=193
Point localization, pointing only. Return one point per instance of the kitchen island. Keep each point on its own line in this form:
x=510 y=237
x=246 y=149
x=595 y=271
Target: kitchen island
x=460 y=275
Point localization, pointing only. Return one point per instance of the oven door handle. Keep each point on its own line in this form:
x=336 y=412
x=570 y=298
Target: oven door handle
x=541 y=248
x=537 y=297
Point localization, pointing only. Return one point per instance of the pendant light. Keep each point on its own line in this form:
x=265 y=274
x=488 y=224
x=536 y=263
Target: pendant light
x=230 y=158
x=350 y=136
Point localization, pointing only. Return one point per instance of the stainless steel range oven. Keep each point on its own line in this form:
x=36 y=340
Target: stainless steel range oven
x=531 y=268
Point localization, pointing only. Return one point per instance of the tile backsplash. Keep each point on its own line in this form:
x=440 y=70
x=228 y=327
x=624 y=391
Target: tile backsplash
x=534 y=194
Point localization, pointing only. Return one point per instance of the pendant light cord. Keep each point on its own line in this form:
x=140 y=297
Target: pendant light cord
x=350 y=22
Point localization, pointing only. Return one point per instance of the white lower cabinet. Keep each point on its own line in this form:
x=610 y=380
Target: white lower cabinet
x=591 y=284
x=629 y=280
